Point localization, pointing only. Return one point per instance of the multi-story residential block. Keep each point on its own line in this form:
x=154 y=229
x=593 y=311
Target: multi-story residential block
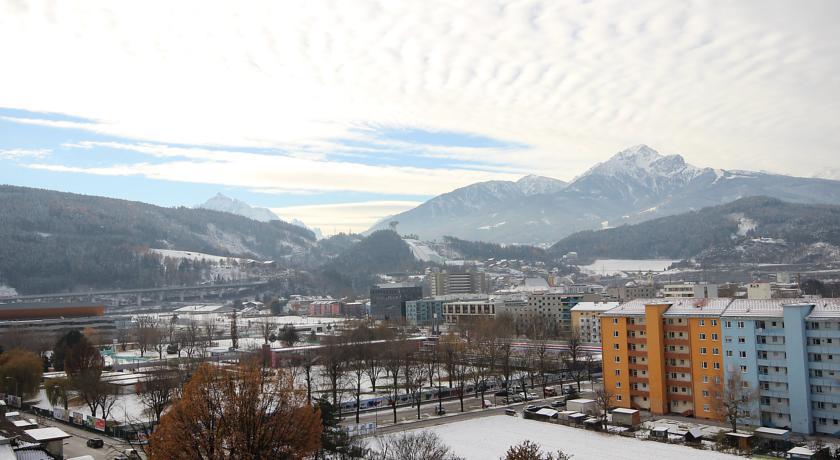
x=448 y=283
x=664 y=355
x=676 y=355
x=690 y=290
x=549 y=308
x=586 y=321
x=631 y=291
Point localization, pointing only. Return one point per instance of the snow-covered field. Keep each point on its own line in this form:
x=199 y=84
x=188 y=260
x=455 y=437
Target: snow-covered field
x=490 y=437
x=616 y=266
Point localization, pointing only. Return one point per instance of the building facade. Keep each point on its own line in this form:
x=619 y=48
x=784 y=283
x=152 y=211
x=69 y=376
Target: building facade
x=387 y=301
x=631 y=291
x=448 y=283
x=676 y=355
x=690 y=290
x=470 y=310
x=586 y=319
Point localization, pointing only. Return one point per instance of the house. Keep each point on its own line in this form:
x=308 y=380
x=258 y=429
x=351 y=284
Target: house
x=584 y=406
x=626 y=417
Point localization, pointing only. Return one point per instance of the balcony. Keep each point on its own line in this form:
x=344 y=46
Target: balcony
x=641 y=340
x=638 y=379
x=775 y=408
x=639 y=393
x=678 y=383
x=826 y=397
x=637 y=366
x=683 y=369
x=769 y=346
x=636 y=327
x=777 y=362
x=676 y=328
x=824 y=381
x=774 y=393
x=637 y=353
x=680 y=397
x=679 y=355
x=676 y=341
x=773 y=377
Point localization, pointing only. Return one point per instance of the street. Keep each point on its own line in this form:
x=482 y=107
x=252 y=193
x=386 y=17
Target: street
x=75 y=446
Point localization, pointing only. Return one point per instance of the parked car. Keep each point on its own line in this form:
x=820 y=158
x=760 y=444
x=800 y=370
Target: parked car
x=510 y=412
x=501 y=393
x=558 y=403
x=486 y=403
x=550 y=391
x=517 y=398
x=95 y=443
x=171 y=349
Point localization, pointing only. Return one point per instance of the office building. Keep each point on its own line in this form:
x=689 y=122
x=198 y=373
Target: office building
x=387 y=301
x=690 y=290
x=449 y=283
x=586 y=319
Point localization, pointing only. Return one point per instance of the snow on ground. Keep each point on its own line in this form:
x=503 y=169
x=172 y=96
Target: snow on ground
x=616 y=266
x=490 y=437
x=6 y=291
x=423 y=252
x=190 y=255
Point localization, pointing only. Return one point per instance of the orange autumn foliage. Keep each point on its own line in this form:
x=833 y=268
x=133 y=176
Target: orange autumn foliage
x=237 y=414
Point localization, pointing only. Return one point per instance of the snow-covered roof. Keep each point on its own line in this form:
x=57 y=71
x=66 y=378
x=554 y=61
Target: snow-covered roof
x=23 y=423
x=759 y=308
x=594 y=306
x=801 y=450
x=660 y=429
x=622 y=410
x=547 y=412
x=697 y=306
x=771 y=431
x=200 y=309
x=634 y=307
x=581 y=401
x=46 y=434
x=825 y=309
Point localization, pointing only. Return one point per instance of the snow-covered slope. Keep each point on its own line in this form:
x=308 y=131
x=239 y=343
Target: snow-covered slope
x=634 y=185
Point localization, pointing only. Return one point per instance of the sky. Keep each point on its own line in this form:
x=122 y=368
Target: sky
x=342 y=113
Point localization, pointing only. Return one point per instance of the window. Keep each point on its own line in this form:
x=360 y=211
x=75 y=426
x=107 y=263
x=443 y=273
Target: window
x=728 y=324
x=618 y=384
x=617 y=359
x=615 y=320
x=705 y=393
x=702 y=336
x=742 y=354
x=706 y=408
x=715 y=351
x=618 y=372
x=717 y=366
x=741 y=324
x=743 y=369
x=618 y=397
x=714 y=336
x=705 y=379
x=729 y=353
x=742 y=340
x=714 y=322
x=615 y=333
x=702 y=350
x=616 y=346
x=727 y=339
x=702 y=322
x=704 y=365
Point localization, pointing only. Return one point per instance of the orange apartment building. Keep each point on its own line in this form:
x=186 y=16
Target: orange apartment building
x=664 y=355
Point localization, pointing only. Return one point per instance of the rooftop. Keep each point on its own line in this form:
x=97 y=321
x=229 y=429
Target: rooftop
x=595 y=306
x=46 y=434
x=759 y=308
x=697 y=306
x=825 y=309
x=634 y=307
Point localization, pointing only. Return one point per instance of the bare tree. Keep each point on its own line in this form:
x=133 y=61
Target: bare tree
x=574 y=357
x=335 y=362
x=157 y=392
x=267 y=327
x=735 y=400
x=393 y=363
x=373 y=364
x=305 y=361
x=424 y=445
x=234 y=329
x=357 y=368
x=157 y=339
x=528 y=450
x=145 y=328
x=604 y=400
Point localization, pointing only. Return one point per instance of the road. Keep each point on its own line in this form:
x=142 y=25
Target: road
x=407 y=416
x=76 y=446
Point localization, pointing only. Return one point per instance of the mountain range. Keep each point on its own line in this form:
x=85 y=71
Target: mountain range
x=223 y=203
x=635 y=185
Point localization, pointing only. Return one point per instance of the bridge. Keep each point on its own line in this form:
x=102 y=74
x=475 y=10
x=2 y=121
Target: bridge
x=179 y=292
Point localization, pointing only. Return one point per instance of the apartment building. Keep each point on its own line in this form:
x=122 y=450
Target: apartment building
x=447 y=283
x=586 y=319
x=631 y=291
x=471 y=310
x=690 y=290
x=553 y=309
x=674 y=356
x=664 y=355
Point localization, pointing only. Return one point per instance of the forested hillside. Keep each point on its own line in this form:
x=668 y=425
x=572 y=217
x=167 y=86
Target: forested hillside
x=54 y=242
x=481 y=250
x=757 y=229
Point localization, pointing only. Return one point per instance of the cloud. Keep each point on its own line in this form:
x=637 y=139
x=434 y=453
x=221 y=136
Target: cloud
x=728 y=85
x=274 y=173
x=20 y=154
x=334 y=218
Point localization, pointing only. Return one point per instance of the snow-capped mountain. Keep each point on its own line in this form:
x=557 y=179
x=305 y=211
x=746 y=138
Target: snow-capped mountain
x=226 y=204
x=634 y=185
